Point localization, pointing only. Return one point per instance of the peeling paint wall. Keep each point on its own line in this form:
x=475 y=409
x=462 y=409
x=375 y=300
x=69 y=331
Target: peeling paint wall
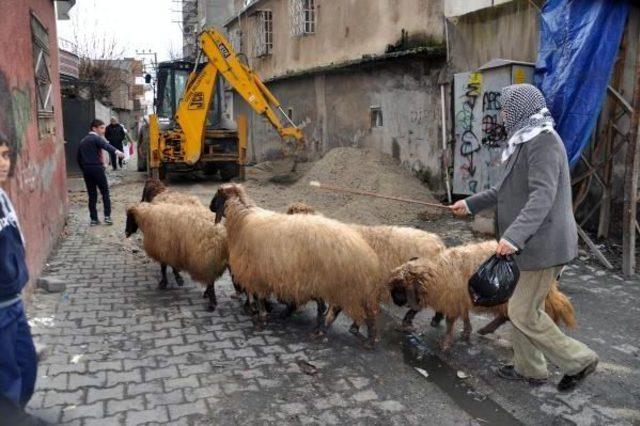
x=345 y=30
x=335 y=110
x=38 y=187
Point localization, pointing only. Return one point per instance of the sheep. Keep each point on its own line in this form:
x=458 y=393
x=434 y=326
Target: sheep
x=299 y=258
x=156 y=191
x=185 y=238
x=394 y=245
x=442 y=284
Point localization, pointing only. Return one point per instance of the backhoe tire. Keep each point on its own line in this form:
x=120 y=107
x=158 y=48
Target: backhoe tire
x=228 y=172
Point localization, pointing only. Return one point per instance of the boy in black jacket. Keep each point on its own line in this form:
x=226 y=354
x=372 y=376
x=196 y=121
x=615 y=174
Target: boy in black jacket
x=18 y=359
x=90 y=162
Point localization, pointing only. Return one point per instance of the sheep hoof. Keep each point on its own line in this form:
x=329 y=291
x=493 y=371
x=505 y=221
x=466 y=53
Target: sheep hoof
x=466 y=337
x=354 y=329
x=179 y=282
x=435 y=322
x=484 y=331
x=369 y=345
x=162 y=285
x=317 y=334
x=211 y=308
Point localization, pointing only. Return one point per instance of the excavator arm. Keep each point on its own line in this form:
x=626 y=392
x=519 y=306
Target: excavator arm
x=246 y=83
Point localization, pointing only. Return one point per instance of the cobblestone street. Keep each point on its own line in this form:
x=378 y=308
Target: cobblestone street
x=120 y=351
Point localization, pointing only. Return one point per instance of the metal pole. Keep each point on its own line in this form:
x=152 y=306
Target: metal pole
x=631 y=182
x=445 y=154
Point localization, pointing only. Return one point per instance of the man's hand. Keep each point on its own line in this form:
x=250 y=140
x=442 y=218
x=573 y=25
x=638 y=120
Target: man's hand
x=120 y=154
x=459 y=208
x=505 y=248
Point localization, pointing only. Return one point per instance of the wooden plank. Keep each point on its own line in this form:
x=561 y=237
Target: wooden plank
x=631 y=182
x=594 y=249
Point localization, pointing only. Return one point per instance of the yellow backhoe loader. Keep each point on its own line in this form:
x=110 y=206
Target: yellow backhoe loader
x=189 y=141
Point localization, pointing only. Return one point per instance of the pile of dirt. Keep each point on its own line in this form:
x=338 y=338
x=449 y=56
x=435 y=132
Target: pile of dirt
x=364 y=170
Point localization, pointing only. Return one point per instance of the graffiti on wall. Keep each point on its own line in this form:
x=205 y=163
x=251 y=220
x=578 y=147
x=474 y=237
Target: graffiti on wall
x=15 y=115
x=466 y=136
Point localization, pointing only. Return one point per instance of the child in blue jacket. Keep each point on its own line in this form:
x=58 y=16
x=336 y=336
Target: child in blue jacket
x=18 y=359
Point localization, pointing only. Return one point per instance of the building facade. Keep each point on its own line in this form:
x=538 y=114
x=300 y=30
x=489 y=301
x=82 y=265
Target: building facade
x=360 y=73
x=31 y=115
x=198 y=15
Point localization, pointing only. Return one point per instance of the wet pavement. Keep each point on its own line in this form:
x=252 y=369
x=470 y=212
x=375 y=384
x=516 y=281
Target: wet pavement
x=120 y=351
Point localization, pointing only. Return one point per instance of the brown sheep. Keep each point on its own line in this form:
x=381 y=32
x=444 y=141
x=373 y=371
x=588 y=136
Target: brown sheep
x=442 y=284
x=185 y=238
x=156 y=191
x=299 y=258
x=394 y=245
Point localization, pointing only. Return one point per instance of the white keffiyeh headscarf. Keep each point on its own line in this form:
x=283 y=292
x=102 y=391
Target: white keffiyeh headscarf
x=525 y=115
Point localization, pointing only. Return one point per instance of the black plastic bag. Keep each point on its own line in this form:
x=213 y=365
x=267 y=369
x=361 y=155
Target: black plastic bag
x=494 y=281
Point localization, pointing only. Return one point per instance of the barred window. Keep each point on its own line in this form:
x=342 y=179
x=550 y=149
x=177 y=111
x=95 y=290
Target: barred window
x=263 y=33
x=375 y=113
x=42 y=72
x=303 y=17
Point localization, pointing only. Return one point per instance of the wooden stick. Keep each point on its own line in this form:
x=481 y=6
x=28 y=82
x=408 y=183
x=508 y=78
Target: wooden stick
x=317 y=184
x=594 y=249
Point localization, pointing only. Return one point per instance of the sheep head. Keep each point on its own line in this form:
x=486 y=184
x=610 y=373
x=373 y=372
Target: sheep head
x=152 y=187
x=300 y=208
x=132 y=225
x=227 y=192
x=404 y=286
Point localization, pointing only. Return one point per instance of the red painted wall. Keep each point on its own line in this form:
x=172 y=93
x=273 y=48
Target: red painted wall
x=38 y=188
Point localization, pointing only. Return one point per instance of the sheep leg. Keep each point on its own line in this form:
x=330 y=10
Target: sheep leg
x=261 y=319
x=211 y=293
x=466 y=328
x=291 y=307
x=407 y=321
x=437 y=319
x=321 y=311
x=448 y=338
x=493 y=325
x=331 y=316
x=178 y=277
x=162 y=284
x=372 y=331
x=355 y=328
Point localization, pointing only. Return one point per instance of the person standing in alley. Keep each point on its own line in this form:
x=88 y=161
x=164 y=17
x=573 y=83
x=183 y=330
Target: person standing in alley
x=18 y=359
x=535 y=223
x=116 y=134
x=89 y=160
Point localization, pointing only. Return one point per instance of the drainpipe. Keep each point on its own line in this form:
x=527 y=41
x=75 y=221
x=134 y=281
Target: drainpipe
x=445 y=155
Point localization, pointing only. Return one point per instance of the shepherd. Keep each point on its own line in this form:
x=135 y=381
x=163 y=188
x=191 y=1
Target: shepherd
x=535 y=222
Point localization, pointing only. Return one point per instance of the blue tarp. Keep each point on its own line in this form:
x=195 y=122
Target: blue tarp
x=579 y=41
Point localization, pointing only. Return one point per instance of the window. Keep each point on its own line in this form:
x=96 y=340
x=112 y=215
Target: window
x=42 y=72
x=376 y=117
x=303 y=17
x=263 y=36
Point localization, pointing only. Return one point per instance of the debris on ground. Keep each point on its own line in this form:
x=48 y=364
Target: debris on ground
x=51 y=284
x=306 y=368
x=422 y=372
x=462 y=375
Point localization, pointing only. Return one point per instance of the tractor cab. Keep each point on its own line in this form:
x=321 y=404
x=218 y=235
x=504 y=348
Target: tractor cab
x=172 y=78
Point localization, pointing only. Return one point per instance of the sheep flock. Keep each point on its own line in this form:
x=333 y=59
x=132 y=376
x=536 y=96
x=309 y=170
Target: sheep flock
x=302 y=256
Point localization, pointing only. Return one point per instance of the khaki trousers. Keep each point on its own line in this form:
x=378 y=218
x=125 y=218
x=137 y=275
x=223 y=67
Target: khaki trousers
x=535 y=337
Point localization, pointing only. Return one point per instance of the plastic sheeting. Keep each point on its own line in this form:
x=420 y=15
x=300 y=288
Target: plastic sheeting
x=579 y=40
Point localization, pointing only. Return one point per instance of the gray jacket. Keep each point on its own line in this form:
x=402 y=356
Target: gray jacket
x=534 y=208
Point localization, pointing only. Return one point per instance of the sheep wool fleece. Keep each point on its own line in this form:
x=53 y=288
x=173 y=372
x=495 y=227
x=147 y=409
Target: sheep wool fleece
x=535 y=337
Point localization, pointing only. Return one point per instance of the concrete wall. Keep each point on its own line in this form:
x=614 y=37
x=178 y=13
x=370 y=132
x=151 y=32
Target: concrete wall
x=508 y=31
x=38 y=188
x=334 y=109
x=345 y=30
